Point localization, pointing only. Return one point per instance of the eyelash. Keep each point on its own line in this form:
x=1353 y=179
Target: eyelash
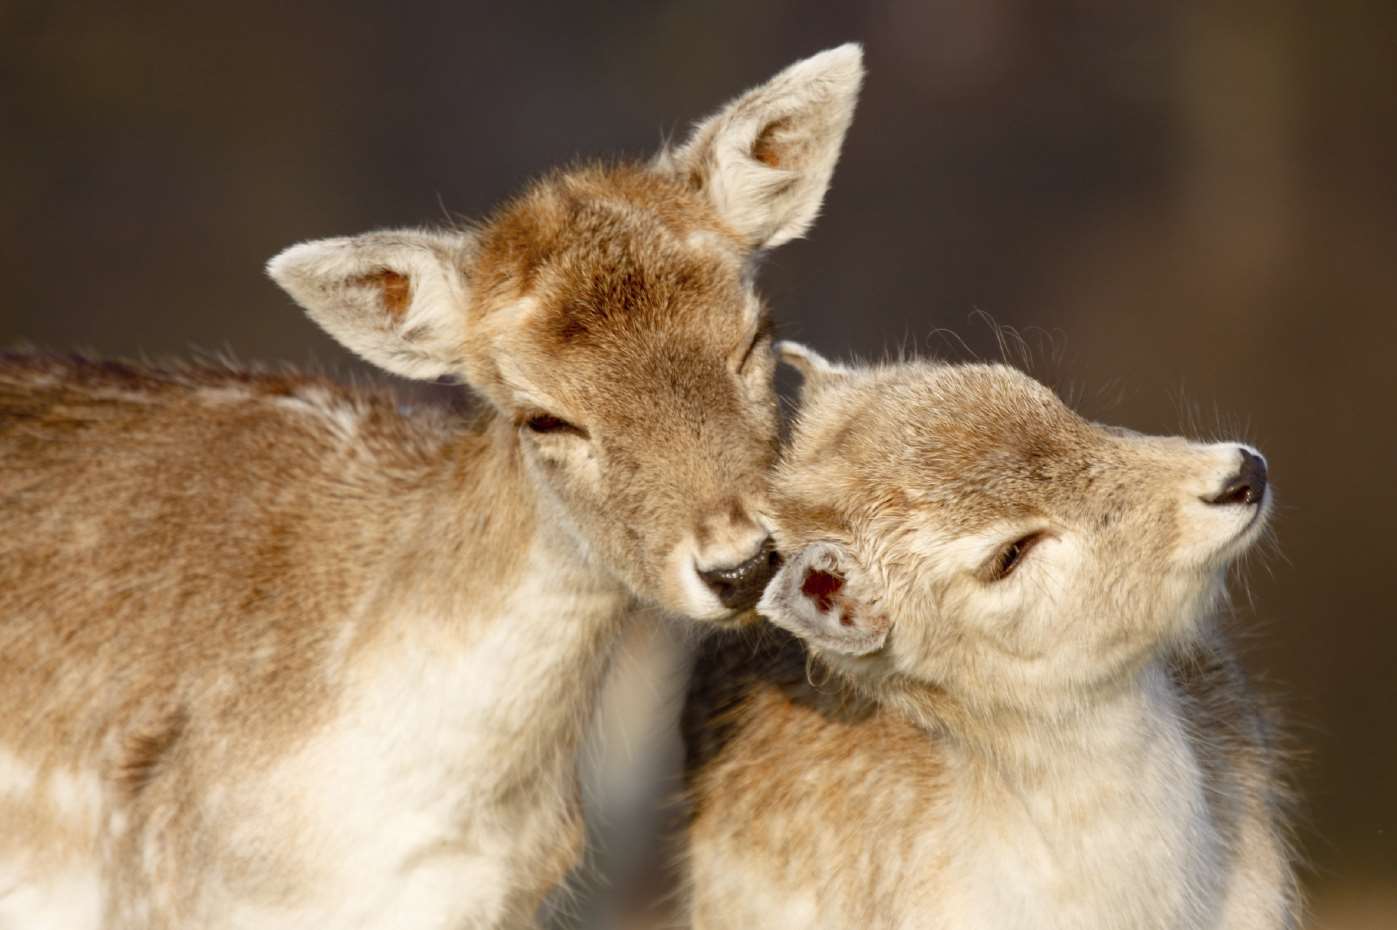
x=763 y=331
x=1010 y=557
x=546 y=423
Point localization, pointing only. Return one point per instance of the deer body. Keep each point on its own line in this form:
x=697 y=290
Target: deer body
x=277 y=653
x=1011 y=708
x=411 y=666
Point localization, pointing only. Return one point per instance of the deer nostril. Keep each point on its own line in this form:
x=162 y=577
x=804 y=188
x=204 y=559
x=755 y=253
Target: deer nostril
x=1248 y=486
x=740 y=586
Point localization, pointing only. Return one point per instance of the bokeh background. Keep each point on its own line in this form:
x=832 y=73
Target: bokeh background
x=1188 y=210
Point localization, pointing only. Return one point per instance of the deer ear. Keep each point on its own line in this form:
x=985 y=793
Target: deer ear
x=765 y=160
x=816 y=371
x=396 y=298
x=810 y=597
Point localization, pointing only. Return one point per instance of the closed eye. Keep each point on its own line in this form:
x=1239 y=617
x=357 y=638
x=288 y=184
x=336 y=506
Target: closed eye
x=546 y=423
x=1011 y=555
x=762 y=333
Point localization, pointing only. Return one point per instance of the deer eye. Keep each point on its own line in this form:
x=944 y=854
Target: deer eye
x=762 y=332
x=547 y=423
x=1011 y=555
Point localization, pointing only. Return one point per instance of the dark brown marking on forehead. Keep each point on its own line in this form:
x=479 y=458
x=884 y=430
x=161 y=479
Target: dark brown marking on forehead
x=571 y=326
x=545 y=217
x=626 y=292
x=601 y=248
x=518 y=240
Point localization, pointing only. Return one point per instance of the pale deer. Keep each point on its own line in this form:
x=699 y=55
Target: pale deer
x=1017 y=708
x=279 y=653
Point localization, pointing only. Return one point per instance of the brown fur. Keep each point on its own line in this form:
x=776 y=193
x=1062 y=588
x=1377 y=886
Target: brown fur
x=279 y=653
x=115 y=529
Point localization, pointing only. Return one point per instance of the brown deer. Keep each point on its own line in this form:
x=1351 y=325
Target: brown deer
x=1013 y=707
x=279 y=653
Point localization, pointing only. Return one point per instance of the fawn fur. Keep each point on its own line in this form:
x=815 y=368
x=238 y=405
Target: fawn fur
x=279 y=653
x=1010 y=704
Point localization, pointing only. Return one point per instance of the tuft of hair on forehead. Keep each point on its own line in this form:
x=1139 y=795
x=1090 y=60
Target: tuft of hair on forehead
x=604 y=251
x=576 y=215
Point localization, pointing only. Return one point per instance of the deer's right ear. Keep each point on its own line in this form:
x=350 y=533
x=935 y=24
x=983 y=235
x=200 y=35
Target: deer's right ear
x=396 y=298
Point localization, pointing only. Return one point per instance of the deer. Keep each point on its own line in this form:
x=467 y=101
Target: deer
x=277 y=652
x=996 y=690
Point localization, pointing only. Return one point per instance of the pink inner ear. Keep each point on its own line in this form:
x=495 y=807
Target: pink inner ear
x=821 y=587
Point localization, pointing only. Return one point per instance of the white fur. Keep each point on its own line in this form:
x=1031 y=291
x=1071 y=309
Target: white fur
x=68 y=899
x=1112 y=831
x=700 y=600
x=76 y=797
x=437 y=733
x=17 y=777
x=399 y=831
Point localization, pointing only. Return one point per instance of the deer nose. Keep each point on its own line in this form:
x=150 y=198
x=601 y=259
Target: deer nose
x=1248 y=486
x=740 y=586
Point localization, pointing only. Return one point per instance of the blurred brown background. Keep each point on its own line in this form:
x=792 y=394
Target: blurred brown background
x=1190 y=211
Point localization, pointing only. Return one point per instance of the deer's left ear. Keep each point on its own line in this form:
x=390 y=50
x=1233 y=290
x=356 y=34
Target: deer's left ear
x=765 y=160
x=810 y=597
x=816 y=371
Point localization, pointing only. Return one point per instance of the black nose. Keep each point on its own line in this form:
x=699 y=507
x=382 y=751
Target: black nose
x=740 y=586
x=1248 y=486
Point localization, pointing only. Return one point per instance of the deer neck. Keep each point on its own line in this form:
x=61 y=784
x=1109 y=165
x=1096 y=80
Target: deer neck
x=1124 y=730
x=1094 y=810
x=512 y=621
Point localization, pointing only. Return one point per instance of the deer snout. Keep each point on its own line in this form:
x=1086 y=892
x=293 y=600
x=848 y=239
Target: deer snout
x=722 y=565
x=1225 y=505
x=1247 y=486
x=739 y=586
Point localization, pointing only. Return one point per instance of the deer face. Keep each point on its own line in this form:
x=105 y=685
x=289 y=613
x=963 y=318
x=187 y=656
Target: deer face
x=608 y=314
x=959 y=526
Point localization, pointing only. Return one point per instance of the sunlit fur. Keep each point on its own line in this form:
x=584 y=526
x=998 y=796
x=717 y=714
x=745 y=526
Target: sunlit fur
x=1069 y=746
x=279 y=653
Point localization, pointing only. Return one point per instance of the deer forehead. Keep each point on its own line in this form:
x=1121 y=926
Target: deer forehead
x=957 y=450
x=642 y=291
x=607 y=250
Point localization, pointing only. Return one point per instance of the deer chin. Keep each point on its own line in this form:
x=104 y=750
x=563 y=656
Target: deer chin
x=739 y=619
